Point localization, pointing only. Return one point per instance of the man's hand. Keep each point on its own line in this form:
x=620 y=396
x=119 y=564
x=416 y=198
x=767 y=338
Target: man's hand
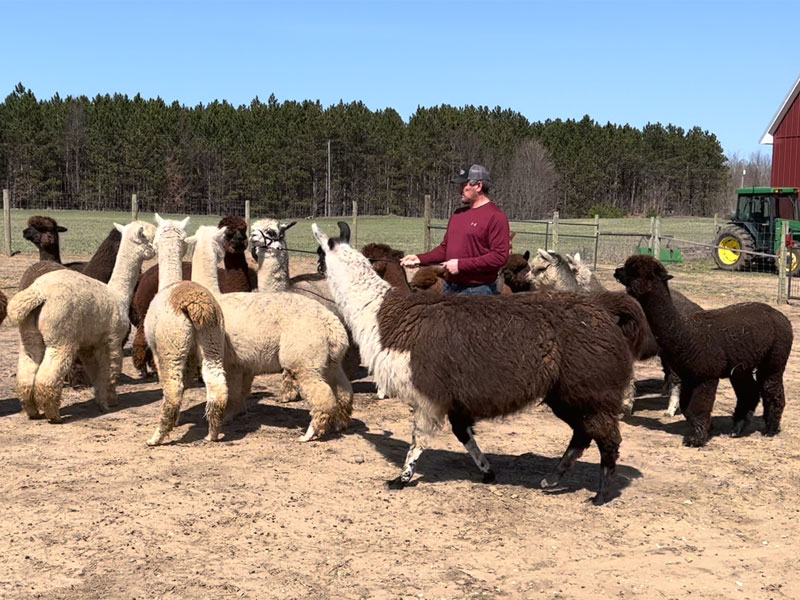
x=412 y=260
x=451 y=265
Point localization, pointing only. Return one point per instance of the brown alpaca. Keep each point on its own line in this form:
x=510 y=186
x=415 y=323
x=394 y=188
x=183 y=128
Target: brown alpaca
x=516 y=273
x=43 y=232
x=236 y=277
x=385 y=262
x=707 y=345
x=3 y=307
x=456 y=357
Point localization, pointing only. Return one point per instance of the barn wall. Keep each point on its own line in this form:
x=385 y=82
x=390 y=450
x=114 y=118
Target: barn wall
x=786 y=150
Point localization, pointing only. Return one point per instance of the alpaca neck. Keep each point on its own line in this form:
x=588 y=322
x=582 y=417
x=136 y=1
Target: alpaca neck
x=126 y=273
x=395 y=275
x=273 y=271
x=665 y=321
x=204 y=265
x=50 y=252
x=170 y=253
x=235 y=261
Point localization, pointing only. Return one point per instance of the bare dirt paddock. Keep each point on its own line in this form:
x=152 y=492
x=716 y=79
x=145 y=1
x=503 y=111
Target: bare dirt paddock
x=89 y=511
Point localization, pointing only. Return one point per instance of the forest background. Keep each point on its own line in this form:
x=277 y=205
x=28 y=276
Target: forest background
x=300 y=159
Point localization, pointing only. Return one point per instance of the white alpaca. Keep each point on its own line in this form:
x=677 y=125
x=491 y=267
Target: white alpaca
x=268 y=333
x=65 y=314
x=184 y=320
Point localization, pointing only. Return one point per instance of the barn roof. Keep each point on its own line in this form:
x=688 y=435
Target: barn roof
x=776 y=120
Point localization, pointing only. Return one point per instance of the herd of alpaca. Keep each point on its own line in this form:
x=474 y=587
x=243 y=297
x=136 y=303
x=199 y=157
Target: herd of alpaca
x=425 y=348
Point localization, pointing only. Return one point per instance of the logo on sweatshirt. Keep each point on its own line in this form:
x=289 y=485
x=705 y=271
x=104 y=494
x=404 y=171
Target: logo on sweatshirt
x=473 y=224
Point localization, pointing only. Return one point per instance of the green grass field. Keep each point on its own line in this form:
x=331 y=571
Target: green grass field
x=86 y=229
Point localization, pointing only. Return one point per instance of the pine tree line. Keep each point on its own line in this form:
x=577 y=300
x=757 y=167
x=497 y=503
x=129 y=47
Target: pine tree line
x=90 y=154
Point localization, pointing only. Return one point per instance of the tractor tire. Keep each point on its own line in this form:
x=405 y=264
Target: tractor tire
x=793 y=262
x=730 y=240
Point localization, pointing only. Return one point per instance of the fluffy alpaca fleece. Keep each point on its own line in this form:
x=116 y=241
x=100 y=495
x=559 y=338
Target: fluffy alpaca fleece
x=3 y=307
x=235 y=277
x=516 y=273
x=268 y=237
x=281 y=331
x=454 y=357
x=184 y=320
x=65 y=314
x=702 y=347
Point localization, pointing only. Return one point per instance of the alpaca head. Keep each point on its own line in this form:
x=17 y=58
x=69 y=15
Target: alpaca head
x=344 y=235
x=517 y=271
x=642 y=275
x=137 y=240
x=43 y=232
x=268 y=237
x=208 y=236
x=343 y=262
x=381 y=254
x=174 y=231
x=236 y=235
x=550 y=270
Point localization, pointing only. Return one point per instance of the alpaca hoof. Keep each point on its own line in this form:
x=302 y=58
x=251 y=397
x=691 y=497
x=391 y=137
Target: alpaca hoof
x=396 y=484
x=155 y=440
x=599 y=500
x=670 y=412
x=55 y=420
x=308 y=435
x=626 y=411
x=694 y=441
x=213 y=437
x=549 y=481
x=35 y=417
x=771 y=433
x=489 y=477
x=738 y=429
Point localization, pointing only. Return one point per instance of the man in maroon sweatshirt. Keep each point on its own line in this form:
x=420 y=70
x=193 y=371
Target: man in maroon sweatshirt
x=476 y=244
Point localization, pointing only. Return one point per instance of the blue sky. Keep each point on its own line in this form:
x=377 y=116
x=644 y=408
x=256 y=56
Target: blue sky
x=721 y=65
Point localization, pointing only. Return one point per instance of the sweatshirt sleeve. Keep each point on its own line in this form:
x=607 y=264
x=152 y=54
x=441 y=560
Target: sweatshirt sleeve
x=437 y=255
x=497 y=257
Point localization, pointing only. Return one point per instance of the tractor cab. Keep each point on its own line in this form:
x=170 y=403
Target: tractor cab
x=756 y=226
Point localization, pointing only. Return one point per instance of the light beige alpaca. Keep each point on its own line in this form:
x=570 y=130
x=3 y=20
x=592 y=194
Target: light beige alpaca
x=585 y=277
x=268 y=333
x=184 y=320
x=64 y=315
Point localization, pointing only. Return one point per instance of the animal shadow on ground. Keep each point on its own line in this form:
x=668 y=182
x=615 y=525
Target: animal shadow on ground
x=9 y=406
x=258 y=414
x=720 y=426
x=524 y=470
x=87 y=409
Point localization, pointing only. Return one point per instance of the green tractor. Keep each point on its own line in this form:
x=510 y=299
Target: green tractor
x=756 y=227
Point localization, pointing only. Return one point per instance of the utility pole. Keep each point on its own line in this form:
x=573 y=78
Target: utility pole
x=328 y=184
x=744 y=172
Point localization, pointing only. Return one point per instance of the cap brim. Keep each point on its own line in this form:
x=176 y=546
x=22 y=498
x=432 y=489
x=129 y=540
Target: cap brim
x=459 y=179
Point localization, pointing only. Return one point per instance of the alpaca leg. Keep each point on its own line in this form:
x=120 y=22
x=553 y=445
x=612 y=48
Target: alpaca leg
x=629 y=398
x=673 y=408
x=289 y=391
x=579 y=442
x=31 y=353
x=419 y=441
x=697 y=409
x=216 y=394
x=774 y=400
x=55 y=365
x=462 y=428
x=170 y=374
x=343 y=392
x=114 y=355
x=746 y=389
x=139 y=352
x=324 y=407
x=604 y=430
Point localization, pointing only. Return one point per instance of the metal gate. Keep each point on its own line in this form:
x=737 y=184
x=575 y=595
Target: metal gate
x=793 y=286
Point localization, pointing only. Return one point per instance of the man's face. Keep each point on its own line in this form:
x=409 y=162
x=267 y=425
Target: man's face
x=470 y=191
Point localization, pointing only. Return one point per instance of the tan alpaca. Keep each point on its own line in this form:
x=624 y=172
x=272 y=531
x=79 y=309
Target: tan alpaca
x=268 y=333
x=184 y=320
x=64 y=315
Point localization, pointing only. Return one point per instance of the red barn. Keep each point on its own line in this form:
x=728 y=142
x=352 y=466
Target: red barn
x=784 y=135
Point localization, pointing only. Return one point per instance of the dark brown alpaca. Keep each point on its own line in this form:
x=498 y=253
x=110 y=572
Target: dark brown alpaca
x=3 y=307
x=235 y=277
x=385 y=262
x=708 y=345
x=516 y=273
x=481 y=357
x=43 y=232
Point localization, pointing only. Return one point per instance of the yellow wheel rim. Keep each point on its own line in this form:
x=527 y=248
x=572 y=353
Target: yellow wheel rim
x=792 y=262
x=728 y=251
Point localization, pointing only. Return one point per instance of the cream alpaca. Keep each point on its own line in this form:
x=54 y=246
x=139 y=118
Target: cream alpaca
x=184 y=320
x=64 y=315
x=267 y=333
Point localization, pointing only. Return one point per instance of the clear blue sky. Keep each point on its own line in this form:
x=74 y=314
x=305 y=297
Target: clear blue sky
x=721 y=65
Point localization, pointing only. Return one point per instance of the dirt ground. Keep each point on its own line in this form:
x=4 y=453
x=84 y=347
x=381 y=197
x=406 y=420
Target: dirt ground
x=89 y=511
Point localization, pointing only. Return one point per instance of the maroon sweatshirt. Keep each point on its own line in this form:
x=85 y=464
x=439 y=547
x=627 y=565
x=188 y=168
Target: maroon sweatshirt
x=479 y=239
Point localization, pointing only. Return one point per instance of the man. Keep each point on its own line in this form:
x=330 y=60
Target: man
x=476 y=244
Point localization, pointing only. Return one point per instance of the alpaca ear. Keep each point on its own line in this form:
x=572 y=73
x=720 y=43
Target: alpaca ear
x=220 y=233
x=184 y=223
x=141 y=237
x=666 y=276
x=527 y=255
x=60 y=229
x=546 y=255
x=159 y=220
x=284 y=228
x=120 y=228
x=577 y=257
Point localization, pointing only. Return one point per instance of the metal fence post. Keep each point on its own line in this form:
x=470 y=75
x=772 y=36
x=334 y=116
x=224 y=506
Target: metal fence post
x=134 y=207
x=555 y=231
x=7 y=220
x=426 y=236
x=783 y=294
x=355 y=223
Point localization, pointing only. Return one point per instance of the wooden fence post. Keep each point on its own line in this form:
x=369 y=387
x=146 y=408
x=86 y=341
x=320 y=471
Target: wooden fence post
x=783 y=294
x=134 y=207
x=355 y=224
x=247 y=216
x=555 y=231
x=596 y=239
x=7 y=220
x=657 y=239
x=651 y=243
x=426 y=236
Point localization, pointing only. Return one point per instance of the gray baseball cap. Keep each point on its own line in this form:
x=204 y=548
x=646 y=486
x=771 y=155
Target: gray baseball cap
x=475 y=173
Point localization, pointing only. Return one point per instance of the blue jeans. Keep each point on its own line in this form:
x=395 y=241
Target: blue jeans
x=454 y=289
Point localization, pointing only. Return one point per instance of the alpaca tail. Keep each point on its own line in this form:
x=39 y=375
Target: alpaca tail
x=199 y=306
x=338 y=340
x=24 y=303
x=630 y=319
